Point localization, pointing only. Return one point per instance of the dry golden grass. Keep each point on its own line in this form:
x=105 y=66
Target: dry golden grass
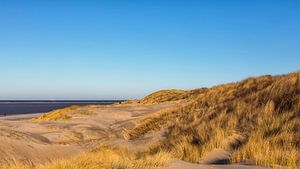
x=170 y=95
x=59 y=114
x=163 y=96
x=154 y=122
x=259 y=116
x=103 y=158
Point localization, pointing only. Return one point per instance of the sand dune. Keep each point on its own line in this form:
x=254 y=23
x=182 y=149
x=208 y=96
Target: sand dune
x=37 y=142
x=23 y=139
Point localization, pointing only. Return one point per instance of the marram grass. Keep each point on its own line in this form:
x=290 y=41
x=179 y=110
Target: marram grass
x=103 y=158
x=261 y=117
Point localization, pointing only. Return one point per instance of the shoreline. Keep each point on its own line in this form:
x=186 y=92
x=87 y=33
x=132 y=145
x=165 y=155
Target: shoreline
x=35 y=107
x=59 y=101
x=20 y=116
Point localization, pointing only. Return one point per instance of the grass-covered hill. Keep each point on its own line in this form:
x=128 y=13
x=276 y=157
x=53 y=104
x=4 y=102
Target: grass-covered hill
x=257 y=119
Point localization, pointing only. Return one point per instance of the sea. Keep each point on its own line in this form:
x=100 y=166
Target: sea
x=15 y=107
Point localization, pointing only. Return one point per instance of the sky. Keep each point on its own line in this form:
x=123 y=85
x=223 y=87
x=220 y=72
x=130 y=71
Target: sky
x=121 y=49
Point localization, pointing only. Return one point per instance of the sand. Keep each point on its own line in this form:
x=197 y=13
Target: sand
x=24 y=139
x=21 y=138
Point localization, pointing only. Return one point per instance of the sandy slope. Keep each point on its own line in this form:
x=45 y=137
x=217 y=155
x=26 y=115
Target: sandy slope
x=22 y=138
x=39 y=142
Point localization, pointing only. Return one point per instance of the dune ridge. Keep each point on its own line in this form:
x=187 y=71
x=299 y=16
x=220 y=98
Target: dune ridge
x=257 y=119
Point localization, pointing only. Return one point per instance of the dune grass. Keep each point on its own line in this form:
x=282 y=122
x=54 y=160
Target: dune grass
x=170 y=95
x=59 y=114
x=263 y=112
x=103 y=158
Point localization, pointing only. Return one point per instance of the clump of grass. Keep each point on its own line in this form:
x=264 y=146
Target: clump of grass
x=153 y=123
x=187 y=152
x=267 y=152
x=259 y=115
x=59 y=114
x=103 y=158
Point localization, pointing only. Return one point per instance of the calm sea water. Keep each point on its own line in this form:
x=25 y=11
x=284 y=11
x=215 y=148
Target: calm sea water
x=42 y=106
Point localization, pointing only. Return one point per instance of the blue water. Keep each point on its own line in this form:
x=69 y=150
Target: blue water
x=8 y=107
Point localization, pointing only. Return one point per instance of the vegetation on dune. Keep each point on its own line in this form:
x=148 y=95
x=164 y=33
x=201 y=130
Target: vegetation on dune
x=257 y=119
x=64 y=114
x=170 y=95
x=103 y=158
x=59 y=114
x=163 y=96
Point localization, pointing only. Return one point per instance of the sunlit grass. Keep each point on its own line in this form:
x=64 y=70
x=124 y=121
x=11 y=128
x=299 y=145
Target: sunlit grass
x=59 y=114
x=256 y=119
x=102 y=158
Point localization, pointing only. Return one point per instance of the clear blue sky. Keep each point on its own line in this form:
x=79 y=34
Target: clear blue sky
x=58 y=49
